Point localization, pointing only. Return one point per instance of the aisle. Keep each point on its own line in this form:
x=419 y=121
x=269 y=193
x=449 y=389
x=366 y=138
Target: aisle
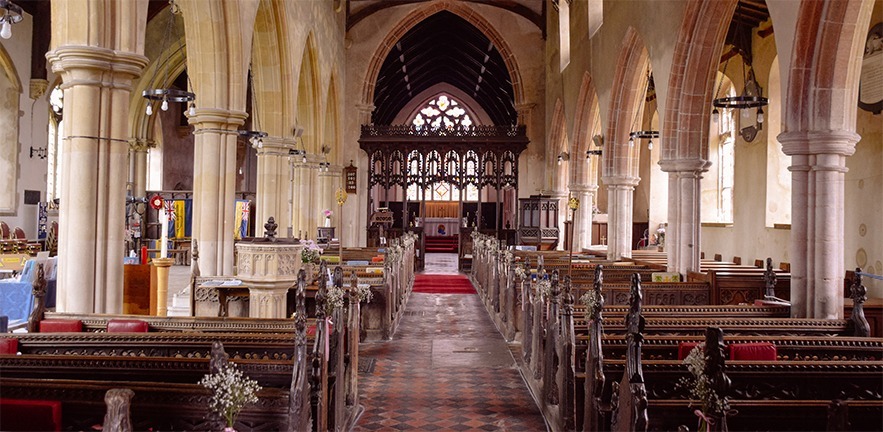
x=447 y=369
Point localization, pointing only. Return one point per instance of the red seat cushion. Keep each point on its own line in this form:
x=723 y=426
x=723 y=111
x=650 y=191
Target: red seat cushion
x=8 y=346
x=30 y=415
x=61 y=326
x=127 y=326
x=684 y=349
x=761 y=351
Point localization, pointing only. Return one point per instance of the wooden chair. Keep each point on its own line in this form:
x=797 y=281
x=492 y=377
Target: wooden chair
x=737 y=260
x=4 y=231
x=19 y=234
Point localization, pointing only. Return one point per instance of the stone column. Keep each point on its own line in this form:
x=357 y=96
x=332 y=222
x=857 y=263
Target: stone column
x=818 y=171
x=97 y=85
x=138 y=148
x=214 y=179
x=274 y=186
x=620 y=204
x=682 y=237
x=583 y=226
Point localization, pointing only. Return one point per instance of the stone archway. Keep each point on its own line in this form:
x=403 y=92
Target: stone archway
x=584 y=173
x=684 y=152
x=819 y=123
x=620 y=167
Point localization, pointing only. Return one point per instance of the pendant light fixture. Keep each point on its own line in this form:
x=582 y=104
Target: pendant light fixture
x=255 y=136
x=166 y=95
x=11 y=15
x=643 y=134
x=751 y=97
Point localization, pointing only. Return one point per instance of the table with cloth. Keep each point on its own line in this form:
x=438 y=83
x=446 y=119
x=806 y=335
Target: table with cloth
x=16 y=294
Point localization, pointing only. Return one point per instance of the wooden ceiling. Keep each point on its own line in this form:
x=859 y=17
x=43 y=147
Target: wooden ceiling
x=444 y=48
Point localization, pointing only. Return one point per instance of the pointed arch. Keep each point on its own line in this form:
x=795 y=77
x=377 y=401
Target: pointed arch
x=308 y=96
x=691 y=85
x=825 y=65
x=271 y=57
x=584 y=123
x=419 y=14
x=10 y=89
x=630 y=86
x=331 y=135
x=557 y=144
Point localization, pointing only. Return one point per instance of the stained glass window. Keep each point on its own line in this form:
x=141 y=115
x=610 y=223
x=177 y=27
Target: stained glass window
x=442 y=111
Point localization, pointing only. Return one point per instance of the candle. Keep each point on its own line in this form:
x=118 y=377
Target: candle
x=164 y=238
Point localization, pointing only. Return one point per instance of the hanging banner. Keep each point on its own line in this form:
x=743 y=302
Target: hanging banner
x=42 y=219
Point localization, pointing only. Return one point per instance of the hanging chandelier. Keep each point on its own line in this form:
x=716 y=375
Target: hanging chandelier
x=644 y=134
x=166 y=95
x=649 y=135
x=302 y=152
x=11 y=15
x=751 y=97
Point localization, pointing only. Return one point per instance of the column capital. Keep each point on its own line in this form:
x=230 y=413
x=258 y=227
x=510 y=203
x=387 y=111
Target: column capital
x=582 y=188
x=275 y=146
x=684 y=165
x=71 y=58
x=365 y=108
x=839 y=142
x=525 y=107
x=37 y=88
x=621 y=180
x=217 y=120
x=141 y=144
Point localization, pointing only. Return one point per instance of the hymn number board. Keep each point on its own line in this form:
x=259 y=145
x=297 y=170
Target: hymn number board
x=349 y=176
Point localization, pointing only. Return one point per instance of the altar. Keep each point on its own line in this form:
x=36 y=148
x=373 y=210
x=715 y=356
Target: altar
x=441 y=226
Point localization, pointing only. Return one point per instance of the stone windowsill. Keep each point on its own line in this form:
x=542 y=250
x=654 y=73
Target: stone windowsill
x=717 y=224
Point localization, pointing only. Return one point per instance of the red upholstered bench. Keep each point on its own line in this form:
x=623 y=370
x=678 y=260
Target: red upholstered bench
x=760 y=351
x=30 y=415
x=127 y=326
x=684 y=349
x=61 y=326
x=9 y=346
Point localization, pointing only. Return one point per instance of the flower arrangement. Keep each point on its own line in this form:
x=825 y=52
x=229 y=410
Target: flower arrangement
x=543 y=288
x=520 y=272
x=231 y=391
x=311 y=252
x=334 y=298
x=363 y=291
x=699 y=386
x=327 y=213
x=589 y=299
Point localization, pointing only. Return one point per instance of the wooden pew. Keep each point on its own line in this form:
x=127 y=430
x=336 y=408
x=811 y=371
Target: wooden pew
x=180 y=357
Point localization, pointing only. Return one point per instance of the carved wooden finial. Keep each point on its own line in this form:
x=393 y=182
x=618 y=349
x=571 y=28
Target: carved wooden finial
x=719 y=382
x=118 y=402
x=219 y=357
x=270 y=229
x=769 y=279
x=39 y=292
x=859 y=295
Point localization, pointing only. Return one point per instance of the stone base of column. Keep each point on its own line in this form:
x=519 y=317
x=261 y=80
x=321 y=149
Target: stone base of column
x=162 y=284
x=267 y=299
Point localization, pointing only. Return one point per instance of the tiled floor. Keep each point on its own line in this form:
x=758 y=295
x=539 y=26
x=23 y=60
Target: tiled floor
x=448 y=369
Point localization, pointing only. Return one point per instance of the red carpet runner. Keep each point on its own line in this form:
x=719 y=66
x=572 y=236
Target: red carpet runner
x=443 y=284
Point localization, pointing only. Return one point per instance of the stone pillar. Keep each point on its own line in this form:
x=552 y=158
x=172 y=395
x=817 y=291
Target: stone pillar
x=97 y=85
x=620 y=204
x=214 y=180
x=583 y=226
x=138 y=149
x=818 y=171
x=682 y=237
x=274 y=186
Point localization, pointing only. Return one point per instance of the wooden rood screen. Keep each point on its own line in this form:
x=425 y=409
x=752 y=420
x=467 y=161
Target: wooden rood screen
x=480 y=156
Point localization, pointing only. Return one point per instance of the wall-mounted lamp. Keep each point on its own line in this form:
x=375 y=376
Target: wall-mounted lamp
x=598 y=140
x=562 y=157
x=39 y=151
x=642 y=134
x=589 y=153
x=302 y=152
x=325 y=165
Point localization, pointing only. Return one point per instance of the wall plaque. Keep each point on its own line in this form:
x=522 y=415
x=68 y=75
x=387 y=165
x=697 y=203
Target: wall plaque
x=870 y=94
x=349 y=178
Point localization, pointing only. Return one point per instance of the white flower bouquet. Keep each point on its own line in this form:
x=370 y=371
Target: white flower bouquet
x=231 y=391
